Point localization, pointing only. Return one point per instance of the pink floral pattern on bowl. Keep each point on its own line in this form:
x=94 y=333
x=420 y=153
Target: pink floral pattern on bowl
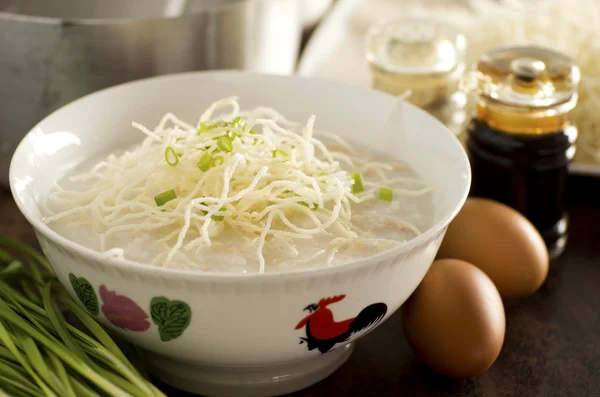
x=122 y=312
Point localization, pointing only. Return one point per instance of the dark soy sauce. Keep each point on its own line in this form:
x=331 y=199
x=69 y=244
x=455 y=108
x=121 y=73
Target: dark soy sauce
x=527 y=172
x=521 y=141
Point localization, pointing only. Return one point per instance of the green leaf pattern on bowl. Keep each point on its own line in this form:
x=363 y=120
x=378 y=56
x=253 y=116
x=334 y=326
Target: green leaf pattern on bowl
x=85 y=292
x=171 y=316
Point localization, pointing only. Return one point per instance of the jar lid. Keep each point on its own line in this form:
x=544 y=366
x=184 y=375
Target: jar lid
x=423 y=56
x=415 y=46
x=526 y=90
x=529 y=76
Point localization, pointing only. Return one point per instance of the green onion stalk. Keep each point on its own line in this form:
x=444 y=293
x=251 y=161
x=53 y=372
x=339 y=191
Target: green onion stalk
x=358 y=185
x=41 y=354
x=164 y=197
x=386 y=194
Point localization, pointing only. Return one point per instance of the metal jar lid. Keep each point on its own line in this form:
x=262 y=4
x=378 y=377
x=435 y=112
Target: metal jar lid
x=526 y=89
x=422 y=55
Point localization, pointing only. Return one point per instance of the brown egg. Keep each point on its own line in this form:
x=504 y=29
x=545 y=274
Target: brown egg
x=502 y=243
x=454 y=321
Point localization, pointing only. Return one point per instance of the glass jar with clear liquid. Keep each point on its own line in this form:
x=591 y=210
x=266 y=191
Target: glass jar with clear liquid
x=425 y=57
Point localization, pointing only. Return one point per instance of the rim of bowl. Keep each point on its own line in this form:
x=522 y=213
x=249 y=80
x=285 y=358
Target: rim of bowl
x=47 y=20
x=134 y=266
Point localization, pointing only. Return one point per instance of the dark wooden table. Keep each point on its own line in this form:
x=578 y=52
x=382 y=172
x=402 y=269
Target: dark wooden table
x=552 y=345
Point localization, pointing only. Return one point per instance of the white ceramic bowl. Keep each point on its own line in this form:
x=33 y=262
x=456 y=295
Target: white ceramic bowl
x=238 y=334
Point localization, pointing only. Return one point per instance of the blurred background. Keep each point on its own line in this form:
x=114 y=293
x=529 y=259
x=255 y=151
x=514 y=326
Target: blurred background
x=54 y=51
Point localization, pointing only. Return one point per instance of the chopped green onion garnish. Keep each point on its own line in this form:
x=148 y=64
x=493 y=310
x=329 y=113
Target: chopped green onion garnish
x=217 y=218
x=164 y=197
x=231 y=135
x=206 y=162
x=385 y=194
x=254 y=132
x=225 y=144
x=171 y=156
x=280 y=152
x=358 y=186
x=218 y=160
x=239 y=122
x=203 y=128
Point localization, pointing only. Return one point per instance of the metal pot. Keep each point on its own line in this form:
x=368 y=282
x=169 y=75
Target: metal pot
x=54 y=51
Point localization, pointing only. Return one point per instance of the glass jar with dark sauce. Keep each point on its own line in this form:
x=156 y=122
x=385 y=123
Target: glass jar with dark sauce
x=521 y=141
